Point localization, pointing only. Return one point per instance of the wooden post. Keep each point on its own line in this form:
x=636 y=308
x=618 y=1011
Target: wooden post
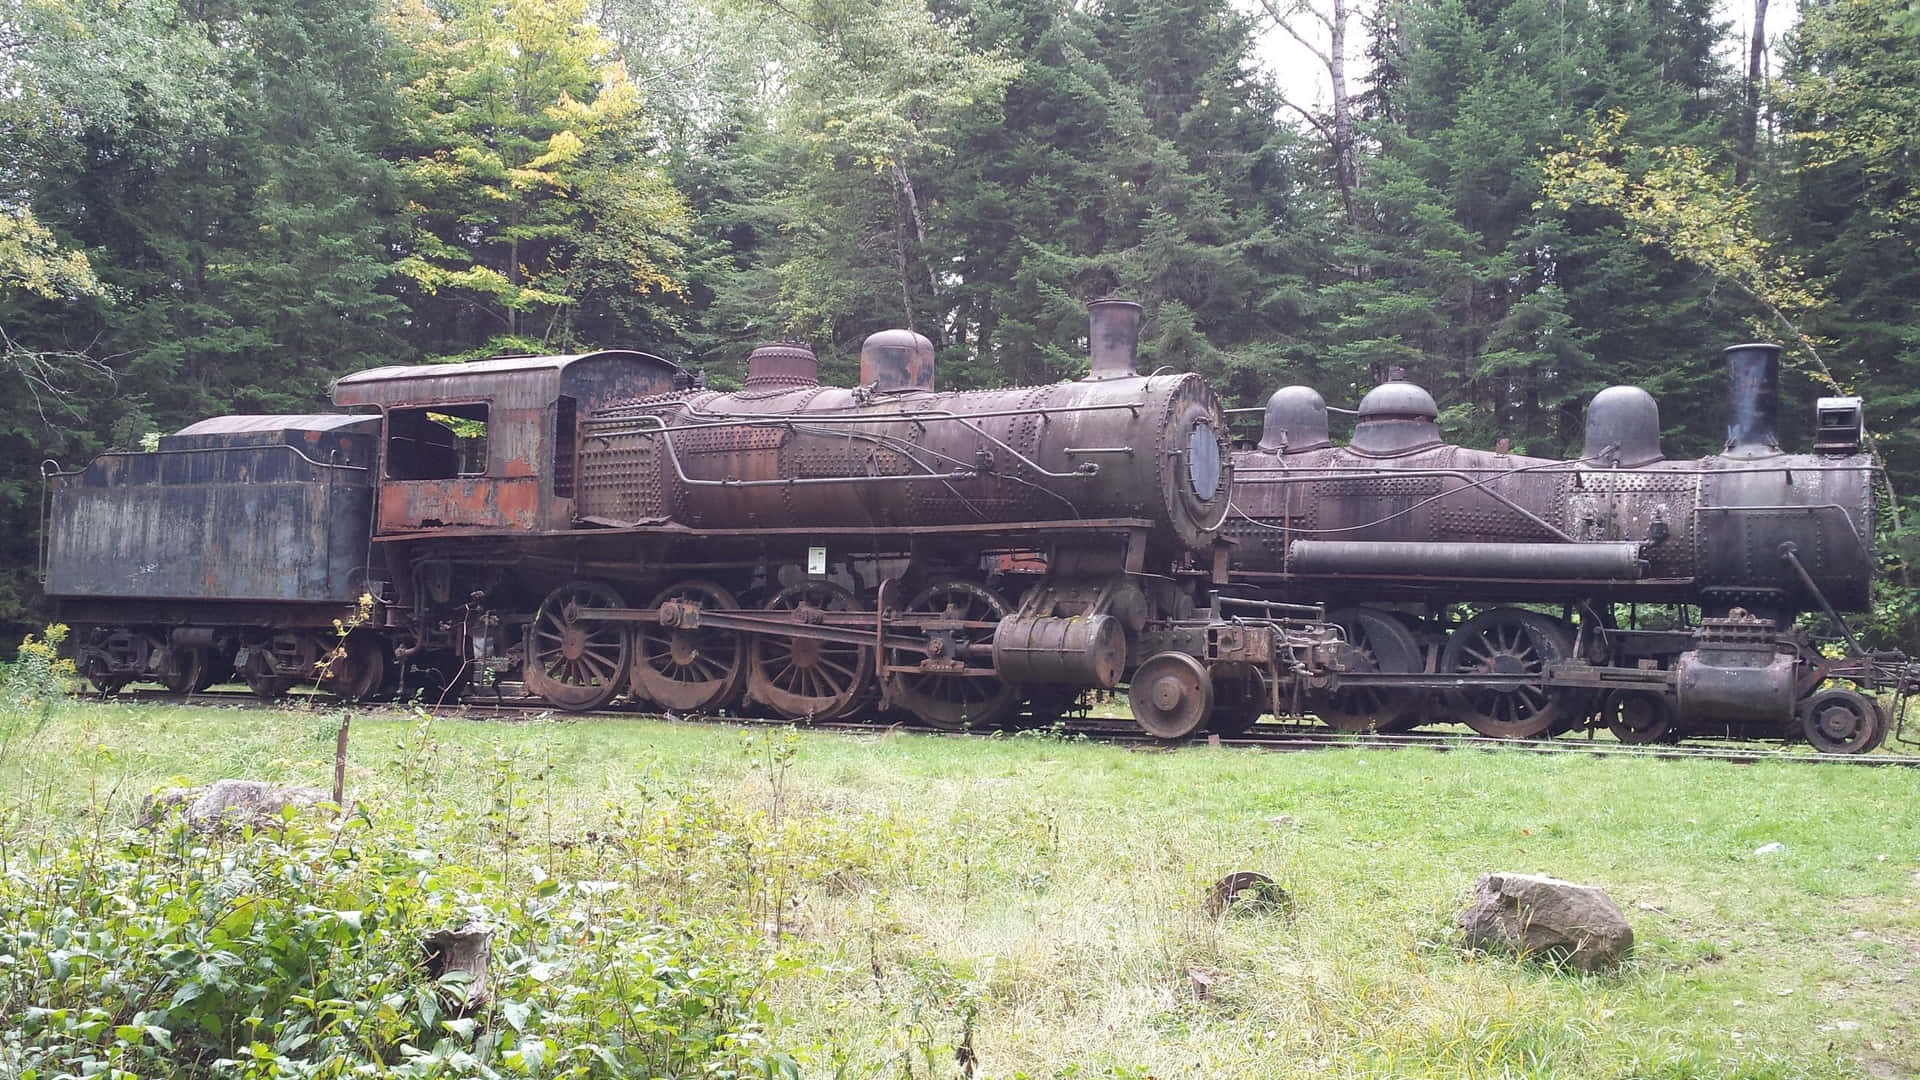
x=340 y=764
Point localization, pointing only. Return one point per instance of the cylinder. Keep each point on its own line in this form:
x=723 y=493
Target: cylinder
x=1081 y=650
x=1440 y=559
x=1747 y=684
x=1113 y=337
x=1753 y=400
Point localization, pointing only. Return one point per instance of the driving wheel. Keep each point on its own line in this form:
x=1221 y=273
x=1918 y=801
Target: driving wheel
x=577 y=664
x=805 y=678
x=1381 y=642
x=1509 y=641
x=690 y=670
x=950 y=700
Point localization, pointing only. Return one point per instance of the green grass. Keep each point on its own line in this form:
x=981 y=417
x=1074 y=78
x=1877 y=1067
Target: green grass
x=1045 y=895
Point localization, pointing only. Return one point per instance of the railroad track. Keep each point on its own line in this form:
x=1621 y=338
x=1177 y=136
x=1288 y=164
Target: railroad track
x=1274 y=737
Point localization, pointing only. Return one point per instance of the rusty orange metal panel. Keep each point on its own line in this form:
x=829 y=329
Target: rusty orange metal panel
x=412 y=505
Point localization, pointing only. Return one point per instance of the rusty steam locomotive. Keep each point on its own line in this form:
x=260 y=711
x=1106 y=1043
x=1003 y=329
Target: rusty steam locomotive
x=604 y=524
x=1397 y=529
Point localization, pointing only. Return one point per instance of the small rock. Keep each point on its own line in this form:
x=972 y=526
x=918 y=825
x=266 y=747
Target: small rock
x=1248 y=892
x=230 y=804
x=1545 y=917
x=1772 y=848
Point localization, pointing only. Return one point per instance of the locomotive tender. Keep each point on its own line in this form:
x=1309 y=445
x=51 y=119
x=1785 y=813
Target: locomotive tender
x=604 y=524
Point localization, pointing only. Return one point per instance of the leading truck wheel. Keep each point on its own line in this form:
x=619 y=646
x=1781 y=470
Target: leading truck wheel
x=1171 y=694
x=574 y=663
x=1509 y=641
x=1842 y=722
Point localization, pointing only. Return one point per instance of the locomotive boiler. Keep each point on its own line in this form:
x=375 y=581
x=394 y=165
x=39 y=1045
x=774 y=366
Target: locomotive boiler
x=1399 y=531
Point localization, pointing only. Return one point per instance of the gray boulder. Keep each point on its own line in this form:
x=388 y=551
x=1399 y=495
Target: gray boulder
x=1546 y=918
x=230 y=804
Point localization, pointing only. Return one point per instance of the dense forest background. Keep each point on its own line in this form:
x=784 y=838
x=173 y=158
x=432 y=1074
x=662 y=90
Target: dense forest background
x=209 y=206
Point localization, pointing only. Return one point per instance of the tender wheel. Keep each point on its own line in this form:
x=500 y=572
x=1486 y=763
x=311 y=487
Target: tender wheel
x=188 y=670
x=1509 y=641
x=577 y=665
x=954 y=702
x=806 y=679
x=1384 y=644
x=700 y=670
x=356 y=669
x=108 y=684
x=1842 y=722
x=1639 y=718
x=1171 y=694
x=1239 y=699
x=259 y=675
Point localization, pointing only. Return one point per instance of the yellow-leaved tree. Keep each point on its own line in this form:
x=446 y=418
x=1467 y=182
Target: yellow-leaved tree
x=537 y=189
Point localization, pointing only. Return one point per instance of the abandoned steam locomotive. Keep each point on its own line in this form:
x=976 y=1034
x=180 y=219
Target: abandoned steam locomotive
x=1396 y=528
x=599 y=525
x=604 y=524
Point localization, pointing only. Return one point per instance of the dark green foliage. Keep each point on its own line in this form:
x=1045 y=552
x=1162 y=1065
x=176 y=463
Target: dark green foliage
x=1514 y=314
x=295 y=951
x=272 y=195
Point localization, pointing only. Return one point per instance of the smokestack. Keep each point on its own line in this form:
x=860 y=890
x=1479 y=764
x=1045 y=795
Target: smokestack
x=1753 y=400
x=895 y=360
x=782 y=365
x=1113 y=337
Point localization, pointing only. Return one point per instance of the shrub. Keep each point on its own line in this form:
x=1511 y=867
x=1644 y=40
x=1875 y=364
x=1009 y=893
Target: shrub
x=295 y=952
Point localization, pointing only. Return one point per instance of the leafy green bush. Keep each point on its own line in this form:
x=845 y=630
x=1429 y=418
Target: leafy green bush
x=31 y=686
x=295 y=952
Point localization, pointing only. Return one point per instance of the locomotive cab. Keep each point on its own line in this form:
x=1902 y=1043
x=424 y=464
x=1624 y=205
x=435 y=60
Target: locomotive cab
x=492 y=444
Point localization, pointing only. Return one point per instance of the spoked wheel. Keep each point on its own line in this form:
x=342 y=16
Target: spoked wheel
x=356 y=669
x=1842 y=722
x=189 y=670
x=1239 y=699
x=804 y=678
x=1384 y=644
x=691 y=670
x=947 y=701
x=1638 y=717
x=1509 y=641
x=1171 y=694
x=577 y=664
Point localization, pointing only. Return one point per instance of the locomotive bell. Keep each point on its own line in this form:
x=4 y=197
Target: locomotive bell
x=1753 y=400
x=1296 y=421
x=1113 y=339
x=1623 y=428
x=895 y=360
x=1395 y=418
